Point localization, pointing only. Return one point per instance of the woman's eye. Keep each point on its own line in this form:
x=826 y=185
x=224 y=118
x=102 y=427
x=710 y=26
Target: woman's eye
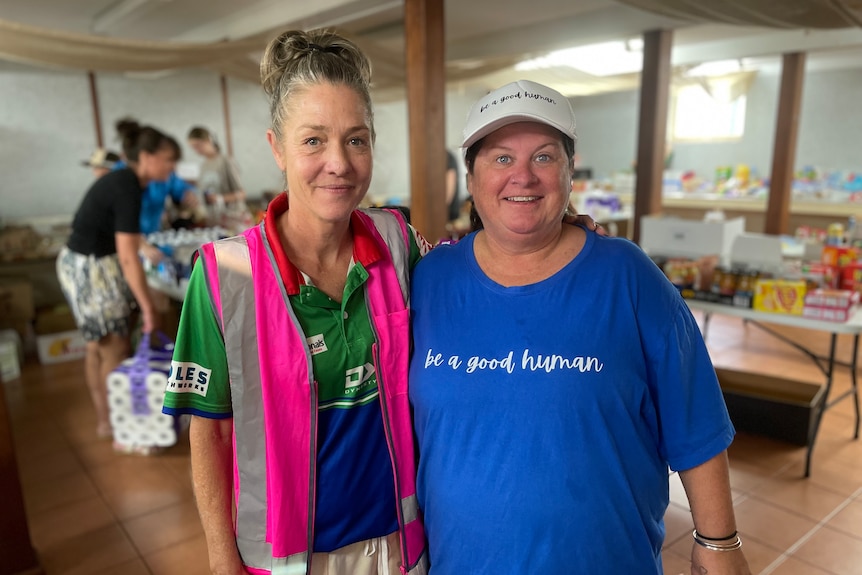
x=357 y=141
x=503 y=159
x=543 y=158
x=312 y=141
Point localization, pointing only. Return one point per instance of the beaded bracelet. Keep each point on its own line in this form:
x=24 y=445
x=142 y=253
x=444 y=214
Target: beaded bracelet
x=705 y=543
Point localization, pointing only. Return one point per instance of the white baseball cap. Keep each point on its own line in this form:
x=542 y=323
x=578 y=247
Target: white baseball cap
x=521 y=101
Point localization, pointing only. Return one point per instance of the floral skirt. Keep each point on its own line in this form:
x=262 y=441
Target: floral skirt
x=97 y=292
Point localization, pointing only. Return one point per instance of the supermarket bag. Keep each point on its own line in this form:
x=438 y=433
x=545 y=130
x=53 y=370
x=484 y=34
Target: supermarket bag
x=136 y=393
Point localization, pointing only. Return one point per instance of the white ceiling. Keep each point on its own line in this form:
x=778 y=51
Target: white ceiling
x=483 y=37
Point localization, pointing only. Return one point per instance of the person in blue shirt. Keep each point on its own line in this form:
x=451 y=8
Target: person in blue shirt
x=153 y=200
x=567 y=377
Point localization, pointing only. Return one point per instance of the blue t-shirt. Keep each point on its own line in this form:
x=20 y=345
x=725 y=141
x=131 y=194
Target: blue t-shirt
x=547 y=415
x=153 y=200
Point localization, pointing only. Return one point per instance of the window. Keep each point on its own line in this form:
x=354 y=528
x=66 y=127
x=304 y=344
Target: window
x=701 y=115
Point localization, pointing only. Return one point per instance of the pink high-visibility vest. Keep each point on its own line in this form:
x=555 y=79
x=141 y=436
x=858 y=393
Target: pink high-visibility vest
x=274 y=396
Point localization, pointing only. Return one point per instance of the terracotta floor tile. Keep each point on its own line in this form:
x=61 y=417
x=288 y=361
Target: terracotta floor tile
x=96 y=453
x=772 y=525
x=178 y=462
x=187 y=558
x=770 y=455
x=677 y=524
x=677 y=491
x=165 y=527
x=134 y=486
x=42 y=495
x=793 y=566
x=102 y=550
x=744 y=476
x=675 y=564
x=842 y=450
x=829 y=474
x=849 y=519
x=47 y=528
x=832 y=550
x=48 y=465
x=758 y=553
x=800 y=496
x=133 y=567
x=36 y=443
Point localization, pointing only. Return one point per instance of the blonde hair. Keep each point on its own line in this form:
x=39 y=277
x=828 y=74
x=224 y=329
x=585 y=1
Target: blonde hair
x=298 y=59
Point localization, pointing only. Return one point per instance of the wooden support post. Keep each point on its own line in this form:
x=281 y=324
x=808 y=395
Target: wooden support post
x=652 y=129
x=784 y=147
x=16 y=551
x=225 y=102
x=97 y=112
x=426 y=96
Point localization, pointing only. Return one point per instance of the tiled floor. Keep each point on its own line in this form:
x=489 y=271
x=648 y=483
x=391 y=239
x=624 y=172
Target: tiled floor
x=92 y=511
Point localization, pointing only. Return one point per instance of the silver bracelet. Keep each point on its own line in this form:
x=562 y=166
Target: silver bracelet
x=712 y=546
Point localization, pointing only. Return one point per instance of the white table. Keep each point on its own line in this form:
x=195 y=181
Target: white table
x=852 y=326
x=175 y=291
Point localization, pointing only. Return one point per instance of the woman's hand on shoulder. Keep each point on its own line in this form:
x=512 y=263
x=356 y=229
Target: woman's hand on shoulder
x=572 y=217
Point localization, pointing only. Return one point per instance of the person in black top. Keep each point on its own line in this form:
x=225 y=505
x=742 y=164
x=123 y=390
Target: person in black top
x=99 y=269
x=453 y=191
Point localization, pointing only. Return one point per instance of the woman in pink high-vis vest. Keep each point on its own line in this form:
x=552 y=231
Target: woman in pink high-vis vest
x=292 y=351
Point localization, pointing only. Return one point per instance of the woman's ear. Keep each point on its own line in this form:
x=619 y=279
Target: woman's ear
x=275 y=146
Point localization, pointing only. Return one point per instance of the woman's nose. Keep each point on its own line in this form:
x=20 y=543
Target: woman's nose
x=336 y=159
x=522 y=174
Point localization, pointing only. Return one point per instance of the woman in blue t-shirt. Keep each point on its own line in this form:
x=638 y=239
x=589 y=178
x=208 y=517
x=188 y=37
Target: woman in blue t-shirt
x=567 y=377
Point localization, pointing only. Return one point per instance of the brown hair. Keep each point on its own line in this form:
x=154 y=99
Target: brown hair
x=298 y=59
x=136 y=139
x=201 y=133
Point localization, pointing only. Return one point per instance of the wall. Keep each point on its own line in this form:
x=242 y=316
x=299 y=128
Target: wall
x=46 y=130
x=607 y=131
x=829 y=130
x=391 y=182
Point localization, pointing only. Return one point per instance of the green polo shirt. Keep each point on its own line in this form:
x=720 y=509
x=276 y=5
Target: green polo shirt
x=356 y=499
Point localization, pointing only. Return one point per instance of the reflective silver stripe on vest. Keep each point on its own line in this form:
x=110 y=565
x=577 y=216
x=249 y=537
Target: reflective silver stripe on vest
x=240 y=336
x=410 y=508
x=421 y=567
x=293 y=565
x=390 y=230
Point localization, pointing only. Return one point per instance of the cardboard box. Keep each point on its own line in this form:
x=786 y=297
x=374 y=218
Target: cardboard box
x=54 y=320
x=676 y=237
x=779 y=296
x=23 y=327
x=835 y=314
x=838 y=255
x=776 y=407
x=10 y=367
x=16 y=299
x=851 y=277
x=832 y=298
x=60 y=347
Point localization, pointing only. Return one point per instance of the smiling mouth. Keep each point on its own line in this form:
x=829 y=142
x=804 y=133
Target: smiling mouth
x=521 y=199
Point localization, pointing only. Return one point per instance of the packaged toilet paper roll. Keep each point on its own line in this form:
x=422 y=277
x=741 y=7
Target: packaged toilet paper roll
x=136 y=408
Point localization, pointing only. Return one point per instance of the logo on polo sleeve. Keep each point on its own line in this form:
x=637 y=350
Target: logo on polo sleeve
x=188 y=377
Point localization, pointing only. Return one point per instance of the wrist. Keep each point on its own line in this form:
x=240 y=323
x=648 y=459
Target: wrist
x=730 y=543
